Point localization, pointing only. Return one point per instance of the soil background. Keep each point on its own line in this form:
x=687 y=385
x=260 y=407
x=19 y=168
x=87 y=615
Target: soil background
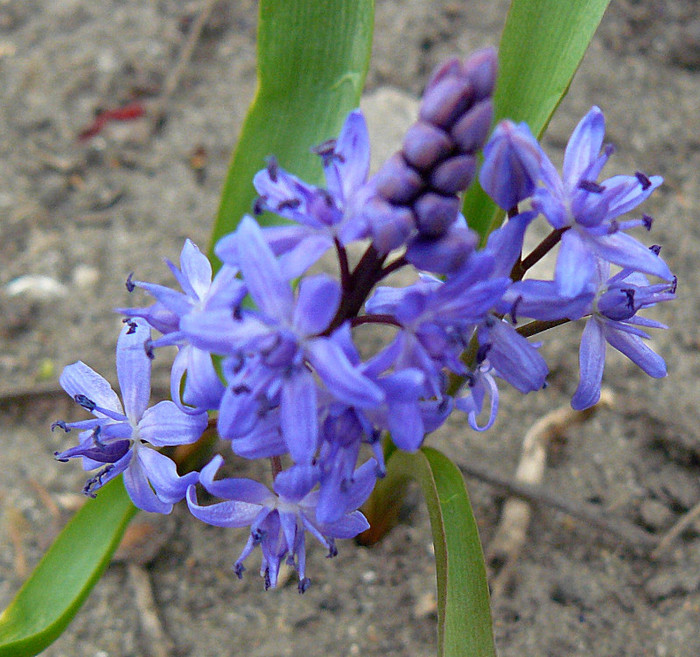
x=85 y=214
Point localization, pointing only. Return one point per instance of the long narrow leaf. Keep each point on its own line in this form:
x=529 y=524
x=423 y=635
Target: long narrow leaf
x=541 y=47
x=464 y=616
x=61 y=582
x=312 y=62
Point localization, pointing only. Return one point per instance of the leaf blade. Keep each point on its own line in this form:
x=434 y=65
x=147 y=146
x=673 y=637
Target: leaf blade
x=63 y=579
x=312 y=62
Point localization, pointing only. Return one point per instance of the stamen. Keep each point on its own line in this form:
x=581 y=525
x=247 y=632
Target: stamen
x=289 y=204
x=272 y=168
x=655 y=248
x=55 y=455
x=85 y=402
x=629 y=293
x=648 y=221
x=132 y=326
x=241 y=389
x=148 y=348
x=514 y=308
x=96 y=437
x=672 y=287
x=613 y=227
x=259 y=205
x=129 y=282
x=332 y=549
x=591 y=186
x=643 y=180
x=304 y=585
x=239 y=569
x=268 y=582
x=482 y=352
x=62 y=425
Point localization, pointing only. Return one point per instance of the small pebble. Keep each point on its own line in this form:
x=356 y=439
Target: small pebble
x=36 y=287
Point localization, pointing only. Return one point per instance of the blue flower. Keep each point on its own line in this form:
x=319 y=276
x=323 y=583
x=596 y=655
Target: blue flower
x=614 y=321
x=587 y=210
x=279 y=520
x=277 y=349
x=203 y=388
x=116 y=440
x=322 y=216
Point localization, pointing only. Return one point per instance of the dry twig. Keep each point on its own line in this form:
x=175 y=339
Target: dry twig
x=675 y=531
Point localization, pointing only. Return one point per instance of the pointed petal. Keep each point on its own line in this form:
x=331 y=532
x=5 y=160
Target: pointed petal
x=319 y=298
x=243 y=490
x=79 y=379
x=584 y=146
x=140 y=491
x=262 y=273
x=223 y=514
x=348 y=169
x=341 y=378
x=165 y=424
x=162 y=474
x=591 y=362
x=349 y=527
x=299 y=416
x=624 y=250
x=196 y=268
x=637 y=351
x=295 y=483
x=134 y=368
x=575 y=265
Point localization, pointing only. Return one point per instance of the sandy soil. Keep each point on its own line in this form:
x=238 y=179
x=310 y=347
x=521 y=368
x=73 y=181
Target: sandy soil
x=86 y=214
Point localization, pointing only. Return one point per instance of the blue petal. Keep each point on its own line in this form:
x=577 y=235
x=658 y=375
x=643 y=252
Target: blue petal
x=634 y=348
x=319 y=298
x=575 y=266
x=624 y=250
x=242 y=490
x=134 y=368
x=584 y=146
x=196 y=268
x=295 y=483
x=79 y=379
x=165 y=424
x=162 y=474
x=299 y=415
x=223 y=514
x=591 y=362
x=140 y=491
x=346 y=173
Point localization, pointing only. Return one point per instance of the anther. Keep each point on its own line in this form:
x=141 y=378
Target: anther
x=514 y=308
x=259 y=205
x=129 y=282
x=132 y=326
x=332 y=549
x=671 y=289
x=648 y=221
x=55 y=454
x=272 y=168
x=629 y=293
x=482 y=352
x=61 y=424
x=148 y=348
x=85 y=402
x=268 y=581
x=239 y=569
x=591 y=186
x=241 y=390
x=304 y=585
x=643 y=180
x=289 y=204
x=655 y=248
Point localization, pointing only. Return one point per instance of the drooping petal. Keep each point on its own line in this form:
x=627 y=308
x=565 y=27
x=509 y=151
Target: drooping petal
x=299 y=415
x=242 y=490
x=165 y=424
x=591 y=362
x=162 y=474
x=624 y=250
x=223 y=514
x=134 y=368
x=348 y=527
x=140 y=491
x=637 y=351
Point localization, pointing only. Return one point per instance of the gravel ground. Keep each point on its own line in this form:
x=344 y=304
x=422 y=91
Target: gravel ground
x=85 y=214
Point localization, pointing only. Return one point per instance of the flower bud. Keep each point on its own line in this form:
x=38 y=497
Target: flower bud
x=425 y=145
x=396 y=181
x=471 y=130
x=446 y=101
x=480 y=69
x=511 y=166
x=389 y=225
x=454 y=174
x=435 y=213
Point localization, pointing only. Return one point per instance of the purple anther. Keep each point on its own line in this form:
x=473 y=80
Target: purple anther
x=148 y=348
x=259 y=205
x=397 y=182
x=132 y=326
x=239 y=569
x=241 y=390
x=591 y=186
x=643 y=180
x=482 y=352
x=266 y=579
x=454 y=174
x=85 y=402
x=130 y=287
x=61 y=425
x=481 y=69
x=272 y=167
x=435 y=213
x=655 y=248
x=55 y=454
x=304 y=585
x=425 y=145
x=446 y=101
x=514 y=309
x=647 y=221
x=674 y=285
x=289 y=204
x=471 y=130
x=332 y=549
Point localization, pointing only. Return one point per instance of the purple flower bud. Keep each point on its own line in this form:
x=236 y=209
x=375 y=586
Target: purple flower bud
x=389 y=225
x=451 y=67
x=480 y=69
x=425 y=145
x=471 y=130
x=435 y=213
x=454 y=174
x=511 y=164
x=397 y=182
x=445 y=255
x=446 y=101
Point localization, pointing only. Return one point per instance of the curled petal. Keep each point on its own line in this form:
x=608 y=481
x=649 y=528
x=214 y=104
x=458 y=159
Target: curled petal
x=162 y=474
x=140 y=491
x=165 y=424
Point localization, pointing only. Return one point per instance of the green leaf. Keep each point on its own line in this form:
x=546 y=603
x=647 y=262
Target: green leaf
x=312 y=62
x=542 y=45
x=464 y=616
x=61 y=582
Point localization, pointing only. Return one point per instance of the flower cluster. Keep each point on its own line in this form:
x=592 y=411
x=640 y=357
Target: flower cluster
x=282 y=372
